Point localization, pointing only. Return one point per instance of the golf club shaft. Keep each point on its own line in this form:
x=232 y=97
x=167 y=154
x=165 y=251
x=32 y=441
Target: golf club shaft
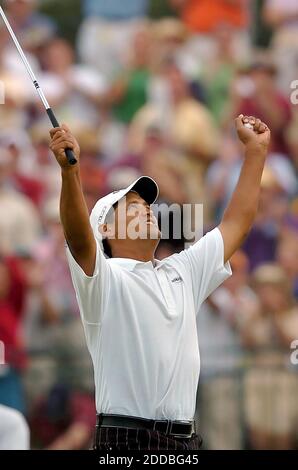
x=69 y=153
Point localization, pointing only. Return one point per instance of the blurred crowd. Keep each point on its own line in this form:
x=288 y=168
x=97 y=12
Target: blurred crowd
x=155 y=97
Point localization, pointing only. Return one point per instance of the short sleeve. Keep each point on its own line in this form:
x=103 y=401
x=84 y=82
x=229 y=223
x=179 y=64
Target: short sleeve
x=204 y=262
x=91 y=291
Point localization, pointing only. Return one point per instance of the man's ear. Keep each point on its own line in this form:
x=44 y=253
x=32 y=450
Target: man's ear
x=103 y=230
x=106 y=230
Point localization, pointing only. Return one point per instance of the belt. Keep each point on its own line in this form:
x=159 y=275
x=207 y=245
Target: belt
x=182 y=429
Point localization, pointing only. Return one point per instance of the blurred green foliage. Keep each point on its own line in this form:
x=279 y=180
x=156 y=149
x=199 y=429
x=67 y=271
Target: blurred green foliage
x=160 y=8
x=67 y=14
x=261 y=32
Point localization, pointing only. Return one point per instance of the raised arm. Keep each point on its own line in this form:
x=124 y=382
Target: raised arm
x=73 y=209
x=241 y=211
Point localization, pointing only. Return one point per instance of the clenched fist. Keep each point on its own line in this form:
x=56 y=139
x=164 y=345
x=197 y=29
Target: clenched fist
x=63 y=139
x=253 y=132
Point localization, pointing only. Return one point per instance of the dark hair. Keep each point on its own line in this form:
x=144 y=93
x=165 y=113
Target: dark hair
x=109 y=219
x=106 y=248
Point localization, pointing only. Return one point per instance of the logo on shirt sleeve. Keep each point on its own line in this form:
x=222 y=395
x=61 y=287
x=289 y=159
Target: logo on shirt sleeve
x=177 y=279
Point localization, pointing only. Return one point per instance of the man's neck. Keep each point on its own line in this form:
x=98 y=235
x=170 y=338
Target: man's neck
x=142 y=255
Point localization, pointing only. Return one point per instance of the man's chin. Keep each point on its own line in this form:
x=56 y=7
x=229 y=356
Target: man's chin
x=154 y=232
x=150 y=232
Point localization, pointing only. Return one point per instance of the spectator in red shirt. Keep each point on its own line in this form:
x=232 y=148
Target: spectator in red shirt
x=256 y=94
x=64 y=420
x=27 y=185
x=12 y=290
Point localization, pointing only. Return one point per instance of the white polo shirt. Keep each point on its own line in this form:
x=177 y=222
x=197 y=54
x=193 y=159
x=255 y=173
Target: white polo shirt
x=14 y=431
x=140 y=326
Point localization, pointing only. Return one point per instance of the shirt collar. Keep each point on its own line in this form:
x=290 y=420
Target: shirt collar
x=131 y=264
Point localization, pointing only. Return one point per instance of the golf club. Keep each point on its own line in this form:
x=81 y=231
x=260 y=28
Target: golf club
x=69 y=153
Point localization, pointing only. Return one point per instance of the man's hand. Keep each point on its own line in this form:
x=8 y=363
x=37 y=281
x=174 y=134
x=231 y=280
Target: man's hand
x=63 y=139
x=257 y=137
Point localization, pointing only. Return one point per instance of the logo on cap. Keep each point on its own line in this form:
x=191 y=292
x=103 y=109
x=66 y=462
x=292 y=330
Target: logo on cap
x=101 y=215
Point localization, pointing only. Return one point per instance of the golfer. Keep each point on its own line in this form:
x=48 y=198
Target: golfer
x=139 y=314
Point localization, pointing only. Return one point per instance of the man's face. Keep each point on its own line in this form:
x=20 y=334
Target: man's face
x=273 y=298
x=263 y=80
x=58 y=55
x=136 y=215
x=133 y=220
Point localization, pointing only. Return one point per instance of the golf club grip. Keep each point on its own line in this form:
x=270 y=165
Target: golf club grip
x=68 y=152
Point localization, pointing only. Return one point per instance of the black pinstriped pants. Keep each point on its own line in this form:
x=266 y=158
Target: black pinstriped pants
x=112 y=439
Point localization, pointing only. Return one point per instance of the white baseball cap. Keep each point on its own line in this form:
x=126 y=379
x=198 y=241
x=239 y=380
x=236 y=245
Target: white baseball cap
x=145 y=186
